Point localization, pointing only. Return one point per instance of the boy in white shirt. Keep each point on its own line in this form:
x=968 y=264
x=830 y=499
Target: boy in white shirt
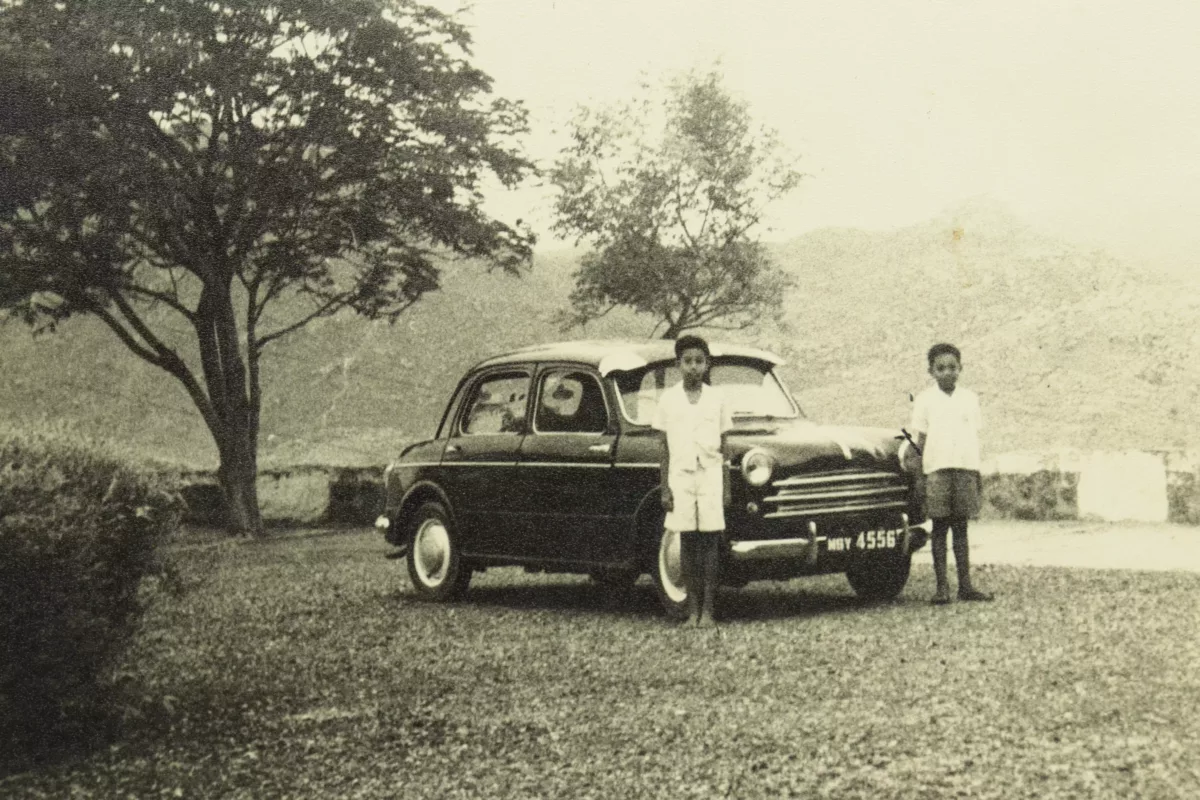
x=947 y=420
x=693 y=419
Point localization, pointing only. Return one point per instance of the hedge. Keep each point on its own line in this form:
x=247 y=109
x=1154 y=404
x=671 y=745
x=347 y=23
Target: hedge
x=79 y=531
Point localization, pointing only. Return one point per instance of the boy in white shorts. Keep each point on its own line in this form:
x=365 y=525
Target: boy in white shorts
x=693 y=419
x=947 y=420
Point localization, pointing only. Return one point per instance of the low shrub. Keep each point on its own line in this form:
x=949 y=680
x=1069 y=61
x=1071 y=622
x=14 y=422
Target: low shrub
x=79 y=531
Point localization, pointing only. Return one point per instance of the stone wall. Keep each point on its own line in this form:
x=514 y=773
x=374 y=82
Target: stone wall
x=308 y=495
x=1154 y=486
x=1142 y=486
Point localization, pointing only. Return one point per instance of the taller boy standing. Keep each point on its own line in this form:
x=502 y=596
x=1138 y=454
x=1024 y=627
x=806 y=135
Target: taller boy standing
x=947 y=420
x=693 y=419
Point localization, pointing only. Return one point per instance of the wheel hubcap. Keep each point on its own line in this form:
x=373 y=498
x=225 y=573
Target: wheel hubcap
x=670 y=567
x=431 y=552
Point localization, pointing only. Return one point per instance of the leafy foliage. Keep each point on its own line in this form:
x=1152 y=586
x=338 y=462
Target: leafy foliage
x=79 y=531
x=209 y=158
x=671 y=198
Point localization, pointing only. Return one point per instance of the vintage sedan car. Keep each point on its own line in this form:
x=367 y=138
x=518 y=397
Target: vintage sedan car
x=545 y=458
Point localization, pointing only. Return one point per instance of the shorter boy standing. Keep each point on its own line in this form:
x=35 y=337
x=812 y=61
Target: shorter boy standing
x=693 y=419
x=947 y=420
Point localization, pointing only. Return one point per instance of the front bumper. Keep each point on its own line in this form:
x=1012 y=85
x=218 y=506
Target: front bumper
x=808 y=549
x=383 y=524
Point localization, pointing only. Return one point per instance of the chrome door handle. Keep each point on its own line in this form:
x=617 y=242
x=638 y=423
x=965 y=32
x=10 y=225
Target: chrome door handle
x=599 y=448
x=453 y=448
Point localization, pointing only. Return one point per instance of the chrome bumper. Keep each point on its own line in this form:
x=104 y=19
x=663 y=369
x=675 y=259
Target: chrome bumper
x=804 y=548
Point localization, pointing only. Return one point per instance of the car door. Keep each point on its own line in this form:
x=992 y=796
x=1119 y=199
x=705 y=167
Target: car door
x=480 y=459
x=566 y=466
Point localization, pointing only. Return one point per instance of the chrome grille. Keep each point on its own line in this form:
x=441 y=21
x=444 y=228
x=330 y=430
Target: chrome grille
x=836 y=493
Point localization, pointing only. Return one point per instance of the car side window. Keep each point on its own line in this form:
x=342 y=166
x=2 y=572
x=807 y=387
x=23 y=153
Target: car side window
x=497 y=405
x=570 y=401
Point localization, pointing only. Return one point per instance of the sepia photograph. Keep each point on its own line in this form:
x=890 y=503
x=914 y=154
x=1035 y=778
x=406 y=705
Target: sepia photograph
x=462 y=399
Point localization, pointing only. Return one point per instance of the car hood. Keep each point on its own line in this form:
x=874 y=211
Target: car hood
x=802 y=443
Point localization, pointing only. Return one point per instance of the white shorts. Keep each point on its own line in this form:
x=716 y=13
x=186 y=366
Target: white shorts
x=699 y=501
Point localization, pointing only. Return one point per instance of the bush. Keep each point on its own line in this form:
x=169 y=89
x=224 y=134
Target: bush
x=79 y=530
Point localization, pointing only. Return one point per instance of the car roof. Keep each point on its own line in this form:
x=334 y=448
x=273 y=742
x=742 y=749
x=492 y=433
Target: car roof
x=611 y=355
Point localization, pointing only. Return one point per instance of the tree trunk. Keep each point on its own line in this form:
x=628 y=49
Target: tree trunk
x=236 y=427
x=238 y=476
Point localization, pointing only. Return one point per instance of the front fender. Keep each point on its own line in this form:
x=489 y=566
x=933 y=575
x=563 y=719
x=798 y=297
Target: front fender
x=420 y=492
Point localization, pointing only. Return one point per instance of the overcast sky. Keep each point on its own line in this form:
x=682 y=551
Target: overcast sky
x=1080 y=117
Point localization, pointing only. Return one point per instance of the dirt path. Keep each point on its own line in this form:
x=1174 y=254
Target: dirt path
x=1096 y=545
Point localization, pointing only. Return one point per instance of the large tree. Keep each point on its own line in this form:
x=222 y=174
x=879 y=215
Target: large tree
x=670 y=190
x=217 y=157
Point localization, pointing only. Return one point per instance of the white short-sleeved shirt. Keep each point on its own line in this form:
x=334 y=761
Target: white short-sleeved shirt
x=693 y=429
x=951 y=424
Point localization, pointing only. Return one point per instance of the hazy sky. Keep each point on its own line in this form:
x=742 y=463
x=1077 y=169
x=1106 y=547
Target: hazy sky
x=1080 y=117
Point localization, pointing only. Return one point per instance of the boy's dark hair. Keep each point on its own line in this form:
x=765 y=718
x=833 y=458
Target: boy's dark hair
x=691 y=342
x=941 y=349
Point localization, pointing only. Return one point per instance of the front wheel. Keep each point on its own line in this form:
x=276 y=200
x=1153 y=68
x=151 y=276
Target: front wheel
x=879 y=576
x=434 y=555
x=668 y=575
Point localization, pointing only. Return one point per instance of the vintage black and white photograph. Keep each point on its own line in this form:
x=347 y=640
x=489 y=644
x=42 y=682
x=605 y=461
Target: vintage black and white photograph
x=460 y=399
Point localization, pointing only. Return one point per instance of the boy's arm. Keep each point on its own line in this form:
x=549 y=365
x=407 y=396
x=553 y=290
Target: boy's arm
x=664 y=469
x=726 y=427
x=921 y=451
x=726 y=469
x=919 y=425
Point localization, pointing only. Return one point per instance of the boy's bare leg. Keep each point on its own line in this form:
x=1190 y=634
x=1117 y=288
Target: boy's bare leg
x=962 y=563
x=710 y=556
x=937 y=546
x=690 y=566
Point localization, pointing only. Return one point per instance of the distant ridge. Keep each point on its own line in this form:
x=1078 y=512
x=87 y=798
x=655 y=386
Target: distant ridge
x=1067 y=346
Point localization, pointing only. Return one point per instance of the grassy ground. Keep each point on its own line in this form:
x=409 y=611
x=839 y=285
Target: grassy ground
x=304 y=667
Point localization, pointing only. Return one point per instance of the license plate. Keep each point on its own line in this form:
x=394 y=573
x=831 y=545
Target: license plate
x=864 y=540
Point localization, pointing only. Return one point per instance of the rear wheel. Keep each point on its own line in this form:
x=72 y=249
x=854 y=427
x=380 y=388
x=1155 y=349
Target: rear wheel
x=879 y=576
x=435 y=556
x=668 y=575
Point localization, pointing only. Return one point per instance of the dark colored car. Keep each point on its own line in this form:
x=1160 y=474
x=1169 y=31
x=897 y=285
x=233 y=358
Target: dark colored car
x=545 y=458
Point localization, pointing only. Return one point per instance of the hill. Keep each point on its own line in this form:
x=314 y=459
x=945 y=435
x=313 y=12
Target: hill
x=1067 y=347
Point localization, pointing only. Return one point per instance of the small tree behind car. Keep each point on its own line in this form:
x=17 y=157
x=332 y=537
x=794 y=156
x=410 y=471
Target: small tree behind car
x=245 y=168
x=672 y=197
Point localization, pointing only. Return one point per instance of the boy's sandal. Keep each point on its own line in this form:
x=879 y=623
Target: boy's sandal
x=940 y=600
x=975 y=595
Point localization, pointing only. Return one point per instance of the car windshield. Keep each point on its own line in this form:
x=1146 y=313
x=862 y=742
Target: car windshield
x=750 y=389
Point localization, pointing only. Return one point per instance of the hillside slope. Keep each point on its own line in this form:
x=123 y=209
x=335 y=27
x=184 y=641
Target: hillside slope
x=1068 y=348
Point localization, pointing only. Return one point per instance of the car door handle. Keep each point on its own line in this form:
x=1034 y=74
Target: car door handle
x=453 y=448
x=599 y=448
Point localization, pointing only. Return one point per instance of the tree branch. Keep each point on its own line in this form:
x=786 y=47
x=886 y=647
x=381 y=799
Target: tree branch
x=330 y=306
x=171 y=300
x=139 y=326
x=167 y=361
x=127 y=338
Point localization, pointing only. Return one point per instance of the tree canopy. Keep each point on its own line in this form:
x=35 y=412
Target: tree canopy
x=670 y=191
x=215 y=156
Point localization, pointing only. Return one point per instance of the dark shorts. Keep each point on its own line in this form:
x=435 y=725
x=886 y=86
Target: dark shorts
x=953 y=494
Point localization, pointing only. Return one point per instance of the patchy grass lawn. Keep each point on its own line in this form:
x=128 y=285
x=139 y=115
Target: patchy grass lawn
x=304 y=667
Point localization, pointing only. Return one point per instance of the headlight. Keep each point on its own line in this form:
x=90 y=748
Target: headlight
x=757 y=466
